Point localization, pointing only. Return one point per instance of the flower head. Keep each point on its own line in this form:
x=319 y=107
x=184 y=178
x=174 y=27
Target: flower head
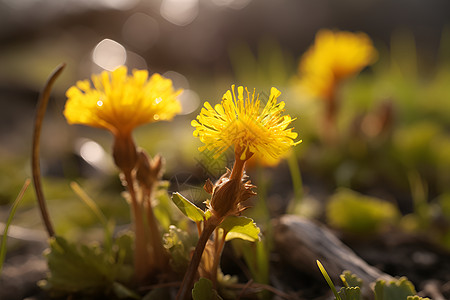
x=335 y=55
x=119 y=102
x=239 y=122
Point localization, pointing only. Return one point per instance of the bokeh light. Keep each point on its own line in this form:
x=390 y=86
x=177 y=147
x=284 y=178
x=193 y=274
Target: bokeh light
x=91 y=152
x=109 y=54
x=140 y=31
x=118 y=4
x=234 y=4
x=387 y=134
x=190 y=101
x=180 y=12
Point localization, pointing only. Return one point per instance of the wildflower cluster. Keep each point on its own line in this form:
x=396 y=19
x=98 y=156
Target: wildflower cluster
x=119 y=103
x=237 y=122
x=158 y=257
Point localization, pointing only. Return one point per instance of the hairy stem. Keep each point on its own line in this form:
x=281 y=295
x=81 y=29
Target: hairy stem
x=141 y=263
x=186 y=286
x=159 y=253
x=238 y=169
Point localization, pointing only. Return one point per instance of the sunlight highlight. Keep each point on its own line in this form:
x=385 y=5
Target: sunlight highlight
x=109 y=54
x=179 y=12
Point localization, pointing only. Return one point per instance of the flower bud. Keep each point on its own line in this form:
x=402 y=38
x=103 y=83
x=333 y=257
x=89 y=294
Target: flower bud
x=124 y=153
x=224 y=197
x=149 y=171
x=228 y=194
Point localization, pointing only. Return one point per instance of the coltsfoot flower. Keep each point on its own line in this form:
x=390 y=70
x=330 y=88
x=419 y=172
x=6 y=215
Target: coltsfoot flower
x=239 y=122
x=119 y=102
x=334 y=56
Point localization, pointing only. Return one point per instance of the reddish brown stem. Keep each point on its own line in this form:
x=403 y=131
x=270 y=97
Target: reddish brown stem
x=160 y=257
x=238 y=169
x=141 y=263
x=199 y=228
x=186 y=286
x=329 y=123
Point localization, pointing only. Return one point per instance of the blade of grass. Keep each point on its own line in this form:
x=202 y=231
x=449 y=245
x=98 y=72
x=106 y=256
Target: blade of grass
x=96 y=210
x=328 y=279
x=9 y=221
x=35 y=166
x=419 y=193
x=297 y=183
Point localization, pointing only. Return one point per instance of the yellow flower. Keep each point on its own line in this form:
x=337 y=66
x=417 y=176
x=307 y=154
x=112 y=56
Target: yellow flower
x=119 y=102
x=335 y=55
x=240 y=123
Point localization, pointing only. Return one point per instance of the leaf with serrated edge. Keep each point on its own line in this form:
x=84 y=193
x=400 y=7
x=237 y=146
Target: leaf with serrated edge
x=240 y=227
x=77 y=268
x=86 y=268
x=351 y=280
x=395 y=289
x=416 y=298
x=350 y=293
x=188 y=208
x=179 y=244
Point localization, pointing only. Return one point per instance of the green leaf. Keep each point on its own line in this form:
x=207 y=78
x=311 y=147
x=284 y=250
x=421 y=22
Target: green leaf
x=9 y=221
x=256 y=256
x=164 y=210
x=85 y=268
x=350 y=293
x=123 y=246
x=76 y=268
x=394 y=290
x=179 y=244
x=351 y=280
x=240 y=227
x=123 y=256
x=353 y=212
x=203 y=290
x=108 y=226
x=188 y=208
x=416 y=298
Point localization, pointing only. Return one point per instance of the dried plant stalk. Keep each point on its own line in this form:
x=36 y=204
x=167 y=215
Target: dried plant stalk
x=36 y=168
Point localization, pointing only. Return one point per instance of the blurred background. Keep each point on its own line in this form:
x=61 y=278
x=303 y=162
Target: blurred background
x=204 y=46
x=384 y=165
